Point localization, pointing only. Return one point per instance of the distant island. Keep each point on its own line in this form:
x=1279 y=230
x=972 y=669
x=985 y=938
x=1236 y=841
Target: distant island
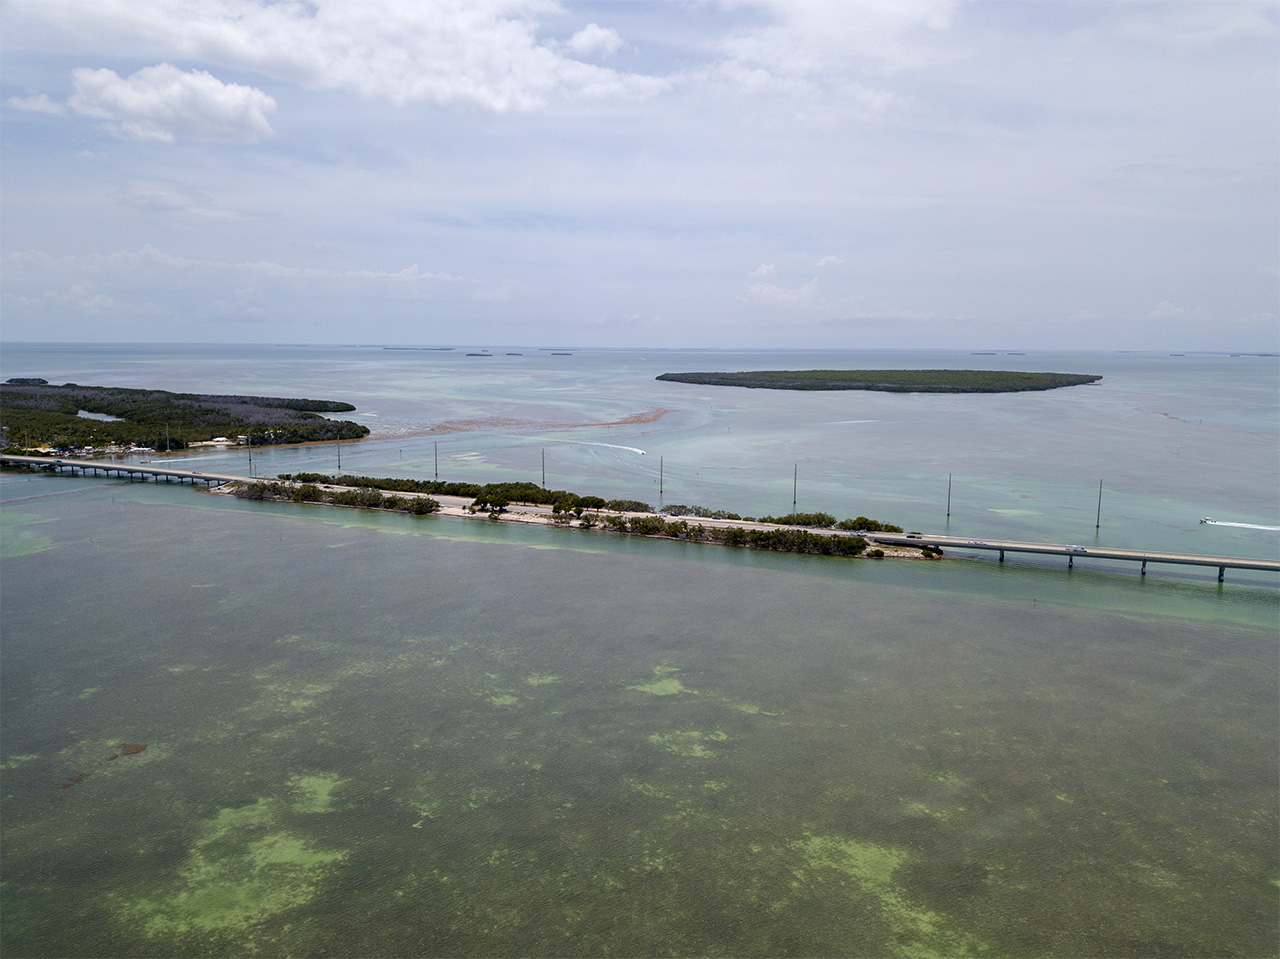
x=889 y=381
x=38 y=414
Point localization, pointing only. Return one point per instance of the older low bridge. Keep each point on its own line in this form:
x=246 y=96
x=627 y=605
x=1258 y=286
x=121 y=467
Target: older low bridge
x=1223 y=563
x=49 y=464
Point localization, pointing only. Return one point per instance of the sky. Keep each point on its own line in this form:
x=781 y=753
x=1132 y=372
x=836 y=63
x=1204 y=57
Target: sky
x=775 y=174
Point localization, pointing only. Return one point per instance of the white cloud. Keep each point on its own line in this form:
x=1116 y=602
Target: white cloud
x=505 y=291
x=34 y=263
x=484 y=53
x=761 y=290
x=1190 y=26
x=161 y=103
x=165 y=197
x=1041 y=141
x=594 y=38
x=79 y=298
x=1167 y=311
x=829 y=59
x=809 y=38
x=37 y=103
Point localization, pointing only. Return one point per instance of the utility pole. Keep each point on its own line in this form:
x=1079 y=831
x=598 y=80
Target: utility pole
x=339 y=452
x=544 y=467
x=1097 y=523
x=659 y=475
x=795 y=484
x=437 y=446
x=948 y=496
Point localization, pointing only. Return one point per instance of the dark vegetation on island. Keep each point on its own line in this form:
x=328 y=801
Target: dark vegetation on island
x=365 y=497
x=486 y=495
x=633 y=517
x=889 y=381
x=589 y=512
x=36 y=413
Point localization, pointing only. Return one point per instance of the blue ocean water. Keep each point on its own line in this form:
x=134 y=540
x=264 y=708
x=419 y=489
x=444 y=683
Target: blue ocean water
x=1171 y=439
x=388 y=735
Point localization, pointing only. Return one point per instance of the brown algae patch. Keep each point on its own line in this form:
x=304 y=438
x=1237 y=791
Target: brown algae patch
x=22 y=542
x=430 y=802
x=689 y=742
x=315 y=793
x=919 y=933
x=240 y=871
x=750 y=708
x=648 y=789
x=940 y=803
x=285 y=697
x=664 y=683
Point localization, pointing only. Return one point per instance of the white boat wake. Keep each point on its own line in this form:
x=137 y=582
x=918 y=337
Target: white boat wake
x=612 y=446
x=1215 y=522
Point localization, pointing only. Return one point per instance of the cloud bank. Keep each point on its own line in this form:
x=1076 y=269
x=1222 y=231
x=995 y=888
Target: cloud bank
x=162 y=103
x=716 y=172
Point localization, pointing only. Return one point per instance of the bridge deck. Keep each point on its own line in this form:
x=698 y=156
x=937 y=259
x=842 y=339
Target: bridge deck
x=1079 y=552
x=53 y=464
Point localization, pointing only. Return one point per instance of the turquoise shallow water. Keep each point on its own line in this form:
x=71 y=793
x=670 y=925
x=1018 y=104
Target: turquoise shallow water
x=391 y=735
x=1171 y=438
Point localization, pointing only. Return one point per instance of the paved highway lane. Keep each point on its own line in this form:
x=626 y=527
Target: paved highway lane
x=1073 y=552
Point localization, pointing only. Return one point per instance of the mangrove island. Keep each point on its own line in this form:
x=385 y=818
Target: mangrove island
x=38 y=414
x=889 y=381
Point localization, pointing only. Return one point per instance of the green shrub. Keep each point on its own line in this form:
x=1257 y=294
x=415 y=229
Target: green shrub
x=816 y=520
x=307 y=493
x=647 y=526
x=868 y=525
x=628 y=506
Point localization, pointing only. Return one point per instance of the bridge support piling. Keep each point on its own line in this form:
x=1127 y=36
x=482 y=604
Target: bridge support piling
x=1002 y=556
x=1222 y=573
x=1144 y=568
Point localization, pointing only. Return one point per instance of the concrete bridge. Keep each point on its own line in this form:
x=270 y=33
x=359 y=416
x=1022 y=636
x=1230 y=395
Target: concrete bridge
x=50 y=464
x=1223 y=563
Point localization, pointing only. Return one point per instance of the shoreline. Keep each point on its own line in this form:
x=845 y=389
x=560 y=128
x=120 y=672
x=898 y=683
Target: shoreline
x=460 y=507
